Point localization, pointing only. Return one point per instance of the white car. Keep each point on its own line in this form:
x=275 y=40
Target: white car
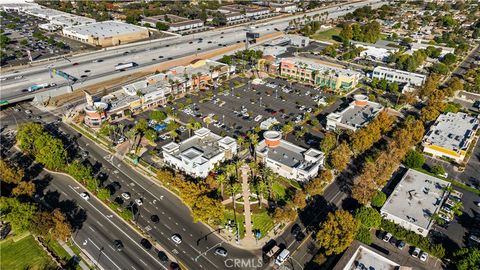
x=85 y=196
x=221 y=252
x=176 y=239
x=126 y=196
x=139 y=201
x=423 y=256
x=387 y=237
x=416 y=252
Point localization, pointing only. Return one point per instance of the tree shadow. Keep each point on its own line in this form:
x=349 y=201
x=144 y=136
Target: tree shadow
x=441 y=238
x=315 y=212
x=76 y=216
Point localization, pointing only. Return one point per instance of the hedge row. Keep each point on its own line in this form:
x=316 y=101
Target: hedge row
x=413 y=239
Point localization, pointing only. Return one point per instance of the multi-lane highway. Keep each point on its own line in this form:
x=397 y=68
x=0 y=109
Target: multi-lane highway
x=99 y=66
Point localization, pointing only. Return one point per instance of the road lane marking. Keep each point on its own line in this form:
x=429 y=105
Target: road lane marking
x=101 y=251
x=115 y=225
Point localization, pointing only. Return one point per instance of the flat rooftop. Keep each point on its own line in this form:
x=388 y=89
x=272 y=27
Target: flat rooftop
x=398 y=71
x=357 y=116
x=322 y=66
x=359 y=254
x=381 y=44
x=452 y=131
x=106 y=29
x=416 y=198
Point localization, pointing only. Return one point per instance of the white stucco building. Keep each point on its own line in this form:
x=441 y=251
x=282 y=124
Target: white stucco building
x=414 y=201
x=398 y=76
x=289 y=160
x=197 y=155
x=359 y=113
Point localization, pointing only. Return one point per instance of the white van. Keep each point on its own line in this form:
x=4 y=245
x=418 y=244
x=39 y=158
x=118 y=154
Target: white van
x=282 y=257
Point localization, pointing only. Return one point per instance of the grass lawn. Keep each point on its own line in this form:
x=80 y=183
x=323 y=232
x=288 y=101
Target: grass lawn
x=58 y=250
x=327 y=35
x=23 y=254
x=228 y=215
x=279 y=190
x=292 y=183
x=263 y=222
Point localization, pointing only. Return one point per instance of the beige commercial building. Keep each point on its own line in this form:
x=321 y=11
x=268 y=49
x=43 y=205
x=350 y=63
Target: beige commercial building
x=107 y=33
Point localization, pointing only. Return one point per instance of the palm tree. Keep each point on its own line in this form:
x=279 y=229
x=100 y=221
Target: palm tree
x=170 y=81
x=253 y=138
x=199 y=75
x=197 y=125
x=185 y=76
x=314 y=75
x=100 y=111
x=267 y=175
x=287 y=129
x=190 y=127
x=208 y=121
x=211 y=69
x=177 y=83
x=194 y=81
x=240 y=142
x=174 y=135
x=221 y=179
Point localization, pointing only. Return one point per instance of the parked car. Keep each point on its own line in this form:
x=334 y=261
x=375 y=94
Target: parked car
x=139 y=201
x=416 y=252
x=423 y=256
x=400 y=245
x=387 y=237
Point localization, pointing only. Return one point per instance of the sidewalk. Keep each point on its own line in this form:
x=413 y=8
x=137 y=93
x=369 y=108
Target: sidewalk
x=70 y=252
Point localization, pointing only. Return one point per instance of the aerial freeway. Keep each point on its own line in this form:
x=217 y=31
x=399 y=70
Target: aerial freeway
x=36 y=87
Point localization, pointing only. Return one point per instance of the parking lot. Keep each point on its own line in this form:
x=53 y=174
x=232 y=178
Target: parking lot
x=239 y=107
x=403 y=256
x=24 y=35
x=456 y=233
x=469 y=176
x=244 y=106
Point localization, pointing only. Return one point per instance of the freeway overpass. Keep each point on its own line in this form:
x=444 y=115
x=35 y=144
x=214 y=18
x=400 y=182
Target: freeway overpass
x=100 y=66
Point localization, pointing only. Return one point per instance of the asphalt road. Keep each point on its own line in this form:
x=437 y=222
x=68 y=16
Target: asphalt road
x=13 y=88
x=96 y=227
x=100 y=228
x=196 y=250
